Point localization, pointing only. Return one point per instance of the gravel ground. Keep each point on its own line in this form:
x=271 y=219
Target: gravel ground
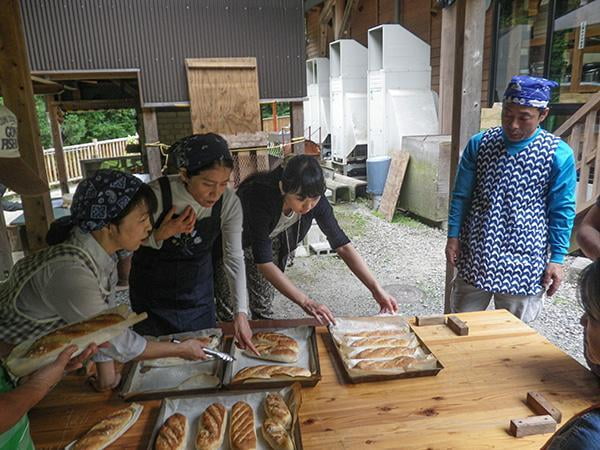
x=407 y=257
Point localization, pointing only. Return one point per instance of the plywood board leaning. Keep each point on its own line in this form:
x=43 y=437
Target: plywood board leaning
x=393 y=184
x=223 y=95
x=458 y=326
x=532 y=425
x=541 y=405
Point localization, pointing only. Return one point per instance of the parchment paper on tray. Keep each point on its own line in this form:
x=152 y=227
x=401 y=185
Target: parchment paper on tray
x=347 y=329
x=300 y=334
x=193 y=407
x=189 y=375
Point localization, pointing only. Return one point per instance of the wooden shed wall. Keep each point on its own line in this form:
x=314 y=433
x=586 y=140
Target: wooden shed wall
x=418 y=16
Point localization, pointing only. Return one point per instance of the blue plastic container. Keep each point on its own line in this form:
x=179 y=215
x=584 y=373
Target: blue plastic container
x=377 y=170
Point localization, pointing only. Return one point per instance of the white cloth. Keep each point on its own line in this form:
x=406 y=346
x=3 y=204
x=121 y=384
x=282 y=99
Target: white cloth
x=467 y=298
x=231 y=229
x=284 y=223
x=70 y=290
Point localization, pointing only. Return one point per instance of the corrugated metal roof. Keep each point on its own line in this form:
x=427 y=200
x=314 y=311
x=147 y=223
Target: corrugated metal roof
x=155 y=36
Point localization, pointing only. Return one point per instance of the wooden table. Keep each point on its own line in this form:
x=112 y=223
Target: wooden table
x=469 y=404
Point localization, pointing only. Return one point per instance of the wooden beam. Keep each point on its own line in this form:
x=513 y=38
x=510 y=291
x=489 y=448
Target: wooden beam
x=15 y=83
x=326 y=12
x=350 y=4
x=6 y=261
x=87 y=105
x=59 y=155
x=340 y=6
x=87 y=75
x=150 y=136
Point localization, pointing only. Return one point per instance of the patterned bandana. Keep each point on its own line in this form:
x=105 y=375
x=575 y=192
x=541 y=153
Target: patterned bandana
x=199 y=150
x=529 y=91
x=101 y=198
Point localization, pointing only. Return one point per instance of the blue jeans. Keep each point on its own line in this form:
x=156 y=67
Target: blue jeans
x=582 y=433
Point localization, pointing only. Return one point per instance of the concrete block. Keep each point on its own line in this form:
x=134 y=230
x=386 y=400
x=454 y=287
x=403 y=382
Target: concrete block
x=314 y=235
x=321 y=248
x=577 y=267
x=301 y=252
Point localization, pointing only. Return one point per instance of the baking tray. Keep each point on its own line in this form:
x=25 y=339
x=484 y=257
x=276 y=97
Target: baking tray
x=309 y=358
x=192 y=408
x=143 y=383
x=334 y=349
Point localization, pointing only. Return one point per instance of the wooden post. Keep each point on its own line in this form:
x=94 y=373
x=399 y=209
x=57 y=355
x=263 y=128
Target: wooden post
x=464 y=26
x=274 y=112
x=17 y=92
x=151 y=135
x=340 y=5
x=6 y=261
x=59 y=155
x=297 y=123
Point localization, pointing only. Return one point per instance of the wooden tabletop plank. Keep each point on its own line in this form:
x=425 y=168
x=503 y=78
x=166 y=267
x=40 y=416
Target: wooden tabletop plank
x=470 y=402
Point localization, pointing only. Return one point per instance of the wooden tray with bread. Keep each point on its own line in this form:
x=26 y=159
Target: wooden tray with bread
x=159 y=378
x=287 y=356
x=379 y=348
x=230 y=421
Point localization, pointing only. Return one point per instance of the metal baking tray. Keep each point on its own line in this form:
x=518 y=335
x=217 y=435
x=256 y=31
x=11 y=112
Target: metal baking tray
x=351 y=377
x=193 y=407
x=309 y=358
x=145 y=383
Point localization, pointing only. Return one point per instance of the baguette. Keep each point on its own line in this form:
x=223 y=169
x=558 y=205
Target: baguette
x=397 y=363
x=383 y=352
x=269 y=337
x=173 y=434
x=64 y=335
x=277 y=409
x=375 y=333
x=211 y=427
x=242 y=435
x=266 y=372
x=276 y=435
x=274 y=352
x=101 y=434
x=380 y=342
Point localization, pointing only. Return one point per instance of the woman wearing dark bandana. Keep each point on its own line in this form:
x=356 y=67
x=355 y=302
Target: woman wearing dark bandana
x=75 y=277
x=172 y=273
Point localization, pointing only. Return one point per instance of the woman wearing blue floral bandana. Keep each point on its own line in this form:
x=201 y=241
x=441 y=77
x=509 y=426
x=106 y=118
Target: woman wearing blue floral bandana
x=75 y=277
x=171 y=275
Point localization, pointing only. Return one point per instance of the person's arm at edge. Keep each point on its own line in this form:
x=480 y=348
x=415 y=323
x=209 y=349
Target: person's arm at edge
x=588 y=234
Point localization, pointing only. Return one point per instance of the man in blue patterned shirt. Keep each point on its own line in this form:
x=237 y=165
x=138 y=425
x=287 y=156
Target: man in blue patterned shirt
x=512 y=208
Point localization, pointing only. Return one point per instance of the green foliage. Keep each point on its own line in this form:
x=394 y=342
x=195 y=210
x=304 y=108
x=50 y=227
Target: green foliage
x=266 y=112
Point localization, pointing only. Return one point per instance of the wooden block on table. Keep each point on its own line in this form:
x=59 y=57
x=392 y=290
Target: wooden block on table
x=431 y=320
x=532 y=425
x=458 y=326
x=541 y=405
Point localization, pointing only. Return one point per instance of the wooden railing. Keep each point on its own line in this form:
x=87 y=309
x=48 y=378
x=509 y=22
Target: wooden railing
x=581 y=132
x=75 y=153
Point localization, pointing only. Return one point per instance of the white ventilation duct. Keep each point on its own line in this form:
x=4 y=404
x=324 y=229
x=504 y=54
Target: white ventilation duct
x=348 y=96
x=316 y=108
x=401 y=102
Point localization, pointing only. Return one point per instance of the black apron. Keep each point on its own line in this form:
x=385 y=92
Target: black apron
x=174 y=284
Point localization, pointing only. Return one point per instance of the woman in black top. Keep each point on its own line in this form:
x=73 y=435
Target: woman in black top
x=279 y=207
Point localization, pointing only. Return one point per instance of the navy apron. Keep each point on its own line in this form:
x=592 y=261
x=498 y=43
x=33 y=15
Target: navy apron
x=174 y=284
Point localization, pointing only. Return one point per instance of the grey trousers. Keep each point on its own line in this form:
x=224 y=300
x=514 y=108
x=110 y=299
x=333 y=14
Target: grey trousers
x=467 y=298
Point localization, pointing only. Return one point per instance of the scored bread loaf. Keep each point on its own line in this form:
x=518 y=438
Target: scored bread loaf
x=374 y=333
x=266 y=372
x=277 y=409
x=274 y=352
x=379 y=342
x=64 y=335
x=383 y=352
x=101 y=434
x=242 y=435
x=276 y=435
x=173 y=434
x=397 y=363
x=272 y=338
x=211 y=427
